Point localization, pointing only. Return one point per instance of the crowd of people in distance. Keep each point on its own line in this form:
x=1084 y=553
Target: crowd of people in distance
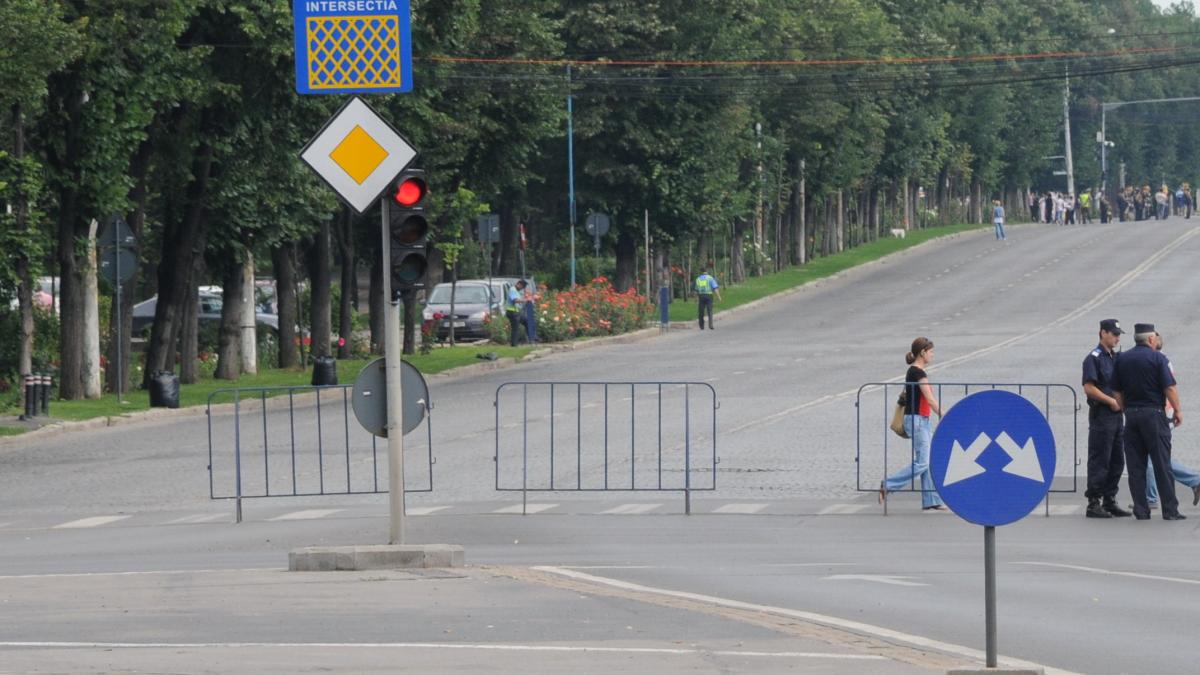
x=1128 y=203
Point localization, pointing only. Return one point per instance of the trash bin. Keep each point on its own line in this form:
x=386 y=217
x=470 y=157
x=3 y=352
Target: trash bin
x=324 y=371
x=164 y=389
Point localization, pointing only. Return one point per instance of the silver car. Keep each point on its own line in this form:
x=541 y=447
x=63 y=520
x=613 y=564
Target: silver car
x=473 y=302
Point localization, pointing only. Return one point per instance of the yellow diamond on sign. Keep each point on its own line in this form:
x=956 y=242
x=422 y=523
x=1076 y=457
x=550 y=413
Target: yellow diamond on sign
x=359 y=155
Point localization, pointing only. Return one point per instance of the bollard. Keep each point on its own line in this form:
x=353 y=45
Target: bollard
x=46 y=382
x=30 y=400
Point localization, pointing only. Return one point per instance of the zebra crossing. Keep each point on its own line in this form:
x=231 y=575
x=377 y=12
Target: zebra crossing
x=274 y=513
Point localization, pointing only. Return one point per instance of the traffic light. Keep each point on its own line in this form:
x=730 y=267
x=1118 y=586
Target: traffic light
x=407 y=230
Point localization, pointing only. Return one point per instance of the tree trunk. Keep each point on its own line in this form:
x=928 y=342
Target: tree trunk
x=800 y=203
x=737 y=259
x=247 y=317
x=189 y=339
x=229 y=335
x=346 y=303
x=91 y=319
x=319 y=273
x=286 y=304
x=23 y=269
x=626 y=271
x=375 y=302
x=182 y=244
x=507 y=264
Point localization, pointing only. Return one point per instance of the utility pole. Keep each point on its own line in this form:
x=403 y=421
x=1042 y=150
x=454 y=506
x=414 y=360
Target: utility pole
x=1067 y=132
x=571 y=168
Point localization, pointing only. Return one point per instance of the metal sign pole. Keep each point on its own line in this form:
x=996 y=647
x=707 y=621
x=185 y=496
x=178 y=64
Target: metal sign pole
x=117 y=248
x=989 y=591
x=393 y=353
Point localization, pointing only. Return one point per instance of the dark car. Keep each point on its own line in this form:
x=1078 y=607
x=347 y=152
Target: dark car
x=210 y=312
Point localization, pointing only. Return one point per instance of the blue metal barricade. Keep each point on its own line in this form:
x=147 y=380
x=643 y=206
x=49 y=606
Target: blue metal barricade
x=879 y=451
x=624 y=436
x=308 y=441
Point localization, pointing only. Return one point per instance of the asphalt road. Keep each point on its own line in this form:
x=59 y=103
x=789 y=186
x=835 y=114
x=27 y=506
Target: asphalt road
x=789 y=530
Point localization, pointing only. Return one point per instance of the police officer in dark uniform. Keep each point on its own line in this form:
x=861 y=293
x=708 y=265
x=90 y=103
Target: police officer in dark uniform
x=1143 y=384
x=1106 y=427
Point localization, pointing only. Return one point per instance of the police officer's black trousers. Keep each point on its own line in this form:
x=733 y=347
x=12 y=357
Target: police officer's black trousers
x=514 y=328
x=1106 y=453
x=1147 y=435
x=705 y=305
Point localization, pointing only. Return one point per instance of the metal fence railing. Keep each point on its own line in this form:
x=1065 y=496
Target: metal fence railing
x=879 y=451
x=606 y=437
x=300 y=442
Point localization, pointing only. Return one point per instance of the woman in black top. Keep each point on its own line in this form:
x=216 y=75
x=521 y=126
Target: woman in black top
x=921 y=403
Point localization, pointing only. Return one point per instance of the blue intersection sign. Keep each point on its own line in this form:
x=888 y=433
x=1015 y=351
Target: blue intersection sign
x=993 y=458
x=353 y=46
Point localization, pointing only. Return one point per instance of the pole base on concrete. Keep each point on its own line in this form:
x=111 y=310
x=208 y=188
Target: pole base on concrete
x=380 y=557
x=997 y=670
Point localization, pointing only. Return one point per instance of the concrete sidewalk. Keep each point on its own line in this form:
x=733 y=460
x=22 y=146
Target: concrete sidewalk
x=495 y=619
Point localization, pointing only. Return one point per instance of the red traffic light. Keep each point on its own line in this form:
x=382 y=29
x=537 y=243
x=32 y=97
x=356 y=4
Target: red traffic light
x=410 y=191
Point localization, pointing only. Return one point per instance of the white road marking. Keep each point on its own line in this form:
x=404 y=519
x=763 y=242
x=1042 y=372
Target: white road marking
x=71 y=575
x=89 y=522
x=437 y=645
x=5 y=524
x=835 y=509
x=308 y=514
x=888 y=579
x=201 y=518
x=1064 y=509
x=740 y=508
x=631 y=509
x=738 y=372
x=424 y=510
x=1097 y=570
x=529 y=508
x=1074 y=314
x=846 y=624
x=814 y=564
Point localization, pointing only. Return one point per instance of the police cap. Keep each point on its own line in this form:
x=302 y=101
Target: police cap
x=1112 y=326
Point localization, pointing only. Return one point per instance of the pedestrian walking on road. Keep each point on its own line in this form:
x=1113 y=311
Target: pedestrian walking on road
x=1144 y=385
x=998 y=218
x=1106 y=426
x=706 y=287
x=1184 y=474
x=919 y=404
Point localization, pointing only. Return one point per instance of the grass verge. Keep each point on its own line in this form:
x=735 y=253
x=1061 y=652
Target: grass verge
x=760 y=287
x=197 y=394
x=11 y=431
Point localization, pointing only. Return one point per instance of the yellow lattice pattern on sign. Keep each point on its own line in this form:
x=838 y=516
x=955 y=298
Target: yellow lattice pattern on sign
x=360 y=51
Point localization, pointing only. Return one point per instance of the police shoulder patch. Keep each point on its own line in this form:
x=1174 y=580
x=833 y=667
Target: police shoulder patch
x=1095 y=352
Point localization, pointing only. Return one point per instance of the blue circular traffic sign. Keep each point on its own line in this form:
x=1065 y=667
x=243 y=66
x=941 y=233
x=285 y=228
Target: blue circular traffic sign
x=993 y=457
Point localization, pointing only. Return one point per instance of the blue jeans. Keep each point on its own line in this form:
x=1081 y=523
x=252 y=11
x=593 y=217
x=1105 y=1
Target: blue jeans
x=921 y=433
x=1183 y=474
x=999 y=229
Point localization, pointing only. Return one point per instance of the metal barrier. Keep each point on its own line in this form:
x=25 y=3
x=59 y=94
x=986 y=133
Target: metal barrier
x=1058 y=402
x=300 y=464
x=650 y=457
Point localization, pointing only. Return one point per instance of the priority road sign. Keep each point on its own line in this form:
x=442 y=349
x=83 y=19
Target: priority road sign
x=993 y=458
x=353 y=46
x=358 y=154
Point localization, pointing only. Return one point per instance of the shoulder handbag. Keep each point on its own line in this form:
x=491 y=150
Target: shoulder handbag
x=897 y=424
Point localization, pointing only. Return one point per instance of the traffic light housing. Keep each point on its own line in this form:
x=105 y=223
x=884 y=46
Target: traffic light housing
x=408 y=230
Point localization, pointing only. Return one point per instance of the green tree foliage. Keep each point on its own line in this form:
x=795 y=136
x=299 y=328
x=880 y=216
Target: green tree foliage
x=756 y=131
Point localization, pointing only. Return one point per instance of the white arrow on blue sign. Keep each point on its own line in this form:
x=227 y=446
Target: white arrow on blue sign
x=993 y=458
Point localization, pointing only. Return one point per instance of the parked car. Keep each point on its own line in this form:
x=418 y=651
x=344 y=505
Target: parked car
x=473 y=301
x=210 y=311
